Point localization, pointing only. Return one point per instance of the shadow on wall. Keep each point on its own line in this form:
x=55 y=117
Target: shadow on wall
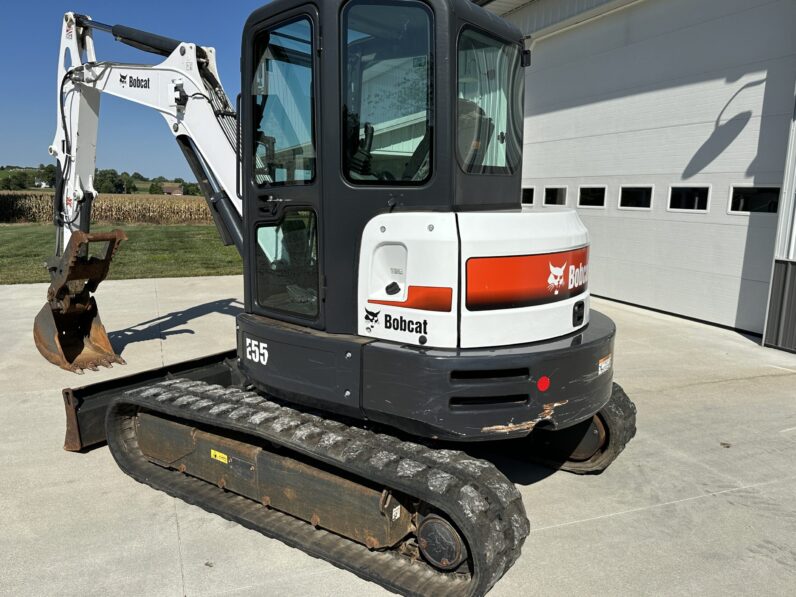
x=761 y=230
x=724 y=133
x=721 y=138
x=165 y=326
x=758 y=259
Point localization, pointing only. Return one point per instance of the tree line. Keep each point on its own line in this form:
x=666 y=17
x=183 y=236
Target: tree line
x=105 y=181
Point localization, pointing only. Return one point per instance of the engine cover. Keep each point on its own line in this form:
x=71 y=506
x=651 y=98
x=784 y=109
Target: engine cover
x=473 y=279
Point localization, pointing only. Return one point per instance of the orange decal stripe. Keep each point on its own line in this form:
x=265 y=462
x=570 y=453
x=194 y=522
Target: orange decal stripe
x=524 y=280
x=423 y=298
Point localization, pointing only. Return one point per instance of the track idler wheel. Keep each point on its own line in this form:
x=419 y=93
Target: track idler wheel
x=440 y=543
x=588 y=447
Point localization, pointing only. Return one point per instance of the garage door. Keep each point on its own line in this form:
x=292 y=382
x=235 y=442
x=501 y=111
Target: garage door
x=665 y=124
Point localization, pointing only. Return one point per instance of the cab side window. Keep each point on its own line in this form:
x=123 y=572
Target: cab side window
x=387 y=92
x=282 y=95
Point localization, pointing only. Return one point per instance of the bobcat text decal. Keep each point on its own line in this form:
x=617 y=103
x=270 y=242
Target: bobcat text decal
x=403 y=324
x=134 y=82
x=396 y=323
x=578 y=276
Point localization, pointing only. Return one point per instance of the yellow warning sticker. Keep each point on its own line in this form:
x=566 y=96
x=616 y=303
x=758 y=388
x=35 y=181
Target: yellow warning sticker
x=220 y=456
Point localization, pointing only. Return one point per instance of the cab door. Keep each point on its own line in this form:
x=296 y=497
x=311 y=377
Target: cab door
x=280 y=171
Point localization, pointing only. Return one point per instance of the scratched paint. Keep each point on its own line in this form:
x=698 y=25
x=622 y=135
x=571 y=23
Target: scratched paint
x=547 y=413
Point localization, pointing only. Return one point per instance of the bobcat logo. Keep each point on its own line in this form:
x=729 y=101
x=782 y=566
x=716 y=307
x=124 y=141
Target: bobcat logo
x=123 y=80
x=372 y=319
x=556 y=278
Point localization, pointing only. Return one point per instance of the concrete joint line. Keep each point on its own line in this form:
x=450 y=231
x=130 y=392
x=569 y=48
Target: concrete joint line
x=663 y=504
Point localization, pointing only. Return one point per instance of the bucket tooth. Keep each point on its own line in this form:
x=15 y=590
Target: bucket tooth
x=68 y=330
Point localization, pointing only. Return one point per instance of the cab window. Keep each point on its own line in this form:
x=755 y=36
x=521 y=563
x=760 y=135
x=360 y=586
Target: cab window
x=282 y=95
x=489 y=107
x=387 y=92
x=287 y=264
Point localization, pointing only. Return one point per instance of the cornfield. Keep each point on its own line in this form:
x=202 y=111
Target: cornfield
x=37 y=206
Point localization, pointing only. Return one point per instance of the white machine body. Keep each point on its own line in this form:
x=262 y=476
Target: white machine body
x=481 y=289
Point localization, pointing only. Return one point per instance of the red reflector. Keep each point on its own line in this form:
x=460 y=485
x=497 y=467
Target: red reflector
x=543 y=383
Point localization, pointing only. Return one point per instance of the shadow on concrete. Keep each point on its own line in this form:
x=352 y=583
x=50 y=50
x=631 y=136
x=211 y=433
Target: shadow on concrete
x=166 y=325
x=512 y=457
x=517 y=470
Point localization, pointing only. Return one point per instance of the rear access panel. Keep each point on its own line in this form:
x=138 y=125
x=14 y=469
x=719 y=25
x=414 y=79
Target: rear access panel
x=301 y=364
x=524 y=276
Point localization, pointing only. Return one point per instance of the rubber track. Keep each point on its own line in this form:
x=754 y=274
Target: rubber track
x=619 y=414
x=481 y=502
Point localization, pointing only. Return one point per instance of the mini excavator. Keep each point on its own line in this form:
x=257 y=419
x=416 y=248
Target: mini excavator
x=400 y=302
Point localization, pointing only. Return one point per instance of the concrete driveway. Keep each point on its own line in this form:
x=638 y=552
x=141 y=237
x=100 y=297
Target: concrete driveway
x=703 y=501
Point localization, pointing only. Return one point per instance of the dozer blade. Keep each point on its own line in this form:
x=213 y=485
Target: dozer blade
x=68 y=330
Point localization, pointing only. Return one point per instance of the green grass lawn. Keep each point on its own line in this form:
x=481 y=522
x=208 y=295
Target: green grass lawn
x=152 y=251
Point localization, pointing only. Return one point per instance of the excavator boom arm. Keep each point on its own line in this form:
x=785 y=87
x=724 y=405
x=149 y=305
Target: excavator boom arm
x=185 y=90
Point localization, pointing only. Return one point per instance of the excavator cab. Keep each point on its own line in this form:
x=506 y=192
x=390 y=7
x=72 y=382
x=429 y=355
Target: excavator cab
x=395 y=107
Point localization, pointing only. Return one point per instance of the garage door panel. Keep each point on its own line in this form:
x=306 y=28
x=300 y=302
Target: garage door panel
x=705 y=296
x=669 y=92
x=694 y=52
x=701 y=102
x=752 y=145
x=698 y=248
x=638 y=23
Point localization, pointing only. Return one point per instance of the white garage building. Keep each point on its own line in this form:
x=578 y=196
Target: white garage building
x=668 y=124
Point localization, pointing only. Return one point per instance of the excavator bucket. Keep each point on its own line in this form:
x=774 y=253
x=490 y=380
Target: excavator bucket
x=68 y=330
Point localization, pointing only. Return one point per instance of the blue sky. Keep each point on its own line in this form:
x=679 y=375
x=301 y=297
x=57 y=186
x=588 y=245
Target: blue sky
x=130 y=137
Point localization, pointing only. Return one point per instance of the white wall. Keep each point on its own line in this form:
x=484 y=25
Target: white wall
x=662 y=92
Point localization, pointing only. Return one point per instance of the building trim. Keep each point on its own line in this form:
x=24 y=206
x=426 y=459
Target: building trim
x=593 y=186
x=750 y=185
x=647 y=185
x=555 y=186
x=785 y=244
x=687 y=186
x=577 y=20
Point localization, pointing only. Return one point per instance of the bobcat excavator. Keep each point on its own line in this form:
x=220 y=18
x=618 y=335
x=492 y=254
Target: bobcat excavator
x=400 y=303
